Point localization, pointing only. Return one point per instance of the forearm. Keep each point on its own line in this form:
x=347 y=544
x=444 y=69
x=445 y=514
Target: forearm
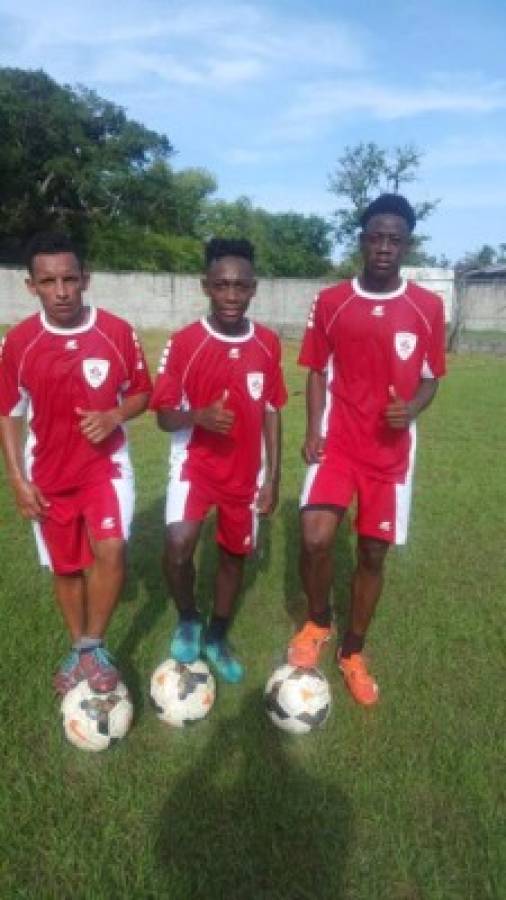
x=272 y=438
x=315 y=401
x=11 y=431
x=175 y=419
x=132 y=406
x=424 y=396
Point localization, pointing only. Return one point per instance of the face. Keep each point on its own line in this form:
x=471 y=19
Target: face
x=384 y=244
x=230 y=284
x=58 y=281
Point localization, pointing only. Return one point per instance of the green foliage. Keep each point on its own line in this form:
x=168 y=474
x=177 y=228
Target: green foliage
x=287 y=244
x=363 y=172
x=65 y=155
x=73 y=160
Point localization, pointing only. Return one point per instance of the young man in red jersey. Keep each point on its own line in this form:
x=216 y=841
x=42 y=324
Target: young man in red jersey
x=77 y=373
x=374 y=347
x=219 y=391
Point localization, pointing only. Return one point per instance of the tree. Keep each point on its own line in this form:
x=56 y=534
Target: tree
x=66 y=155
x=479 y=259
x=286 y=244
x=362 y=173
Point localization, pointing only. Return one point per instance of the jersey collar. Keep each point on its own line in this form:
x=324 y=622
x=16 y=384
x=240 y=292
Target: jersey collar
x=229 y=339
x=370 y=295
x=79 y=329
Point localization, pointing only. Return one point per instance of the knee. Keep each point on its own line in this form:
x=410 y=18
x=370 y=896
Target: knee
x=315 y=542
x=110 y=554
x=178 y=550
x=371 y=555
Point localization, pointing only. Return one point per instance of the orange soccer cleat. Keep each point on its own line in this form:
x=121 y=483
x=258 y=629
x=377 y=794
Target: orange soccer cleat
x=357 y=679
x=306 y=645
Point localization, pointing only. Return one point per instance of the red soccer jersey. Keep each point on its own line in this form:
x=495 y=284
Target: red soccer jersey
x=370 y=344
x=198 y=366
x=48 y=372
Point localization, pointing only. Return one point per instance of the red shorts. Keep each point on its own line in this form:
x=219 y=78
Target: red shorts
x=237 y=520
x=98 y=511
x=383 y=507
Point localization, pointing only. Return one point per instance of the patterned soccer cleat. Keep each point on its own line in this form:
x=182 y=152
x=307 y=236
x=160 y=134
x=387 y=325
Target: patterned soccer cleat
x=357 y=679
x=185 y=643
x=306 y=645
x=69 y=674
x=97 y=667
x=223 y=662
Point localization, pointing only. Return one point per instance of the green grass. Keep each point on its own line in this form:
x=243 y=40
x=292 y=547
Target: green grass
x=401 y=802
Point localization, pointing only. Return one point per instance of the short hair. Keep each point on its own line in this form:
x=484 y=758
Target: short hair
x=390 y=204
x=217 y=248
x=51 y=242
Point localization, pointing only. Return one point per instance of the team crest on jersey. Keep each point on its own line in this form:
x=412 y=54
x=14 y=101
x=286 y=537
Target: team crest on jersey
x=255 y=381
x=405 y=343
x=95 y=371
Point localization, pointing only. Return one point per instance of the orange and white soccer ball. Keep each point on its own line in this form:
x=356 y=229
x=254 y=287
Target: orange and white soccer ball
x=297 y=700
x=95 y=721
x=182 y=693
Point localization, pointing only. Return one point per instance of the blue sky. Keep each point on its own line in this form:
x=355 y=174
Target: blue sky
x=268 y=95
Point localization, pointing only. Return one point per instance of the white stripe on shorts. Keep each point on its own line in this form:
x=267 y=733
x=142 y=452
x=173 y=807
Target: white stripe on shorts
x=403 y=493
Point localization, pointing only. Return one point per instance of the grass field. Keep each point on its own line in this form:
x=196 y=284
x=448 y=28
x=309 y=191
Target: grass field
x=402 y=802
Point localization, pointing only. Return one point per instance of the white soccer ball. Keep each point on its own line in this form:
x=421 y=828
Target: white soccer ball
x=297 y=700
x=182 y=693
x=94 y=721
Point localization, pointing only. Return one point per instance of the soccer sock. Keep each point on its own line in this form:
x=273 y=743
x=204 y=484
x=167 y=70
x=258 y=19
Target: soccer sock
x=189 y=615
x=352 y=643
x=322 y=619
x=218 y=627
x=87 y=643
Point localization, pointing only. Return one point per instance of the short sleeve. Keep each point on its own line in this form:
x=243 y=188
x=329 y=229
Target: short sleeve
x=315 y=350
x=138 y=377
x=13 y=400
x=276 y=395
x=168 y=388
x=435 y=363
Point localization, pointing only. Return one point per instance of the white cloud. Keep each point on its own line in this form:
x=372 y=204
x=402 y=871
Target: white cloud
x=325 y=99
x=468 y=150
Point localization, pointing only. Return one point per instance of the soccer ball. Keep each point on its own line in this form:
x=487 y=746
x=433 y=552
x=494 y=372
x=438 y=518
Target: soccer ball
x=93 y=721
x=297 y=700
x=182 y=693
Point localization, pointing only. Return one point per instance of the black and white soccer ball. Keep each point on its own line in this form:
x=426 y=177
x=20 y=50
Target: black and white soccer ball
x=95 y=721
x=297 y=700
x=182 y=693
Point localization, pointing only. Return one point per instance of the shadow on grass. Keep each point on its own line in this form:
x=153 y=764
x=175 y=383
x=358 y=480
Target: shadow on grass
x=295 y=600
x=248 y=823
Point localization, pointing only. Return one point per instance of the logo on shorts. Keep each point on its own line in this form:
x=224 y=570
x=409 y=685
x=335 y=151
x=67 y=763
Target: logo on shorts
x=95 y=371
x=255 y=381
x=247 y=541
x=107 y=523
x=405 y=343
x=385 y=525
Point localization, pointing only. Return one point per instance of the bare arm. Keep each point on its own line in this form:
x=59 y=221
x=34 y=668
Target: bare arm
x=316 y=387
x=97 y=426
x=268 y=493
x=399 y=414
x=29 y=499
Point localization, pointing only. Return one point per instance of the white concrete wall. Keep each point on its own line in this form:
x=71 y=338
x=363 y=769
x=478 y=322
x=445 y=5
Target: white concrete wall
x=484 y=306
x=169 y=301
